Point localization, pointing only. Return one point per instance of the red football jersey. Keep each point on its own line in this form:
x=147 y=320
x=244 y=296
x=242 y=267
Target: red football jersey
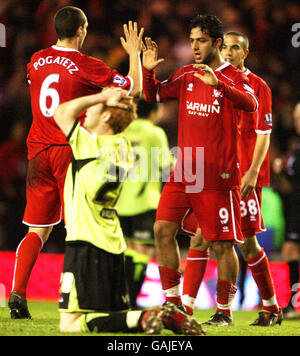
x=58 y=74
x=208 y=122
x=259 y=122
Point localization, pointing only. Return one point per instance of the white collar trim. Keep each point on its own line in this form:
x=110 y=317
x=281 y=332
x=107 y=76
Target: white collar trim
x=59 y=48
x=226 y=64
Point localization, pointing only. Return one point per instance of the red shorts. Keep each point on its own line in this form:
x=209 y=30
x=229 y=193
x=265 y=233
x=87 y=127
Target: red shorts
x=252 y=220
x=44 y=186
x=217 y=211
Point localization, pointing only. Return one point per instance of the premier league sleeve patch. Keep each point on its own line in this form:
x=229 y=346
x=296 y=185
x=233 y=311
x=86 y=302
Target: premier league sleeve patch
x=120 y=81
x=268 y=119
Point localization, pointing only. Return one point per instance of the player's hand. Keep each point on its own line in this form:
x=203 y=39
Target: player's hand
x=206 y=74
x=112 y=96
x=133 y=41
x=249 y=181
x=150 y=54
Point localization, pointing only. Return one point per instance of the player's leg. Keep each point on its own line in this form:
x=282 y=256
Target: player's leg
x=43 y=210
x=141 y=258
x=171 y=209
x=140 y=248
x=87 y=288
x=196 y=261
x=258 y=263
x=218 y=214
x=256 y=258
x=150 y=321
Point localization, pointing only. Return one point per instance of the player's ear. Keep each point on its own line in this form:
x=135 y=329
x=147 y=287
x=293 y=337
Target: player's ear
x=246 y=52
x=79 y=31
x=106 y=116
x=218 y=43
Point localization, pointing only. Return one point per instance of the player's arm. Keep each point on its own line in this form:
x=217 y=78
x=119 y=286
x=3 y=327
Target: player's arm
x=66 y=114
x=242 y=97
x=250 y=177
x=132 y=43
x=263 y=128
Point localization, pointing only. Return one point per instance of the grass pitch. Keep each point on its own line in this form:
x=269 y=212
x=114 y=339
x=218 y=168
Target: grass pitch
x=46 y=318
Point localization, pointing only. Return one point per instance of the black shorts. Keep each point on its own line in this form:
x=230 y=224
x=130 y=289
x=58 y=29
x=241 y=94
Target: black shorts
x=139 y=228
x=92 y=280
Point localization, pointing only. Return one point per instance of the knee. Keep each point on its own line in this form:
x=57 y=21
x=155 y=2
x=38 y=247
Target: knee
x=198 y=242
x=222 y=248
x=164 y=230
x=69 y=323
x=250 y=248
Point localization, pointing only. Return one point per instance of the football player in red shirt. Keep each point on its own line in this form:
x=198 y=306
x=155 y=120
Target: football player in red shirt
x=212 y=94
x=58 y=74
x=254 y=147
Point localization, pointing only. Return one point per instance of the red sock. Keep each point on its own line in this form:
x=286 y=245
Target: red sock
x=195 y=268
x=225 y=295
x=260 y=269
x=26 y=255
x=170 y=280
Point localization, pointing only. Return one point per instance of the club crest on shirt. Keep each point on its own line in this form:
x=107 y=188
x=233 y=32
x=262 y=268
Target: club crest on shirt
x=190 y=87
x=217 y=94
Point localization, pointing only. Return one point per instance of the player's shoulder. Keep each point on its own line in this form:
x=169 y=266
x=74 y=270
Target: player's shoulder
x=256 y=80
x=41 y=53
x=87 y=59
x=232 y=73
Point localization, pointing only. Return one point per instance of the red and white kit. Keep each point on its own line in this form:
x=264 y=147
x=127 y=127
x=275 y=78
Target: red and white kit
x=56 y=75
x=259 y=122
x=208 y=119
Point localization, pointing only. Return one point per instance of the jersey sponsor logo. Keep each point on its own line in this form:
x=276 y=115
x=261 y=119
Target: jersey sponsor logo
x=62 y=61
x=201 y=109
x=119 y=80
x=268 y=119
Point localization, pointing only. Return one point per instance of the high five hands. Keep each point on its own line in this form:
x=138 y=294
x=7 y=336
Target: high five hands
x=150 y=54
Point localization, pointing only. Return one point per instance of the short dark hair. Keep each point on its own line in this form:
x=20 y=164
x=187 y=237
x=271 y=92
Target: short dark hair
x=144 y=108
x=67 y=20
x=239 y=34
x=210 y=25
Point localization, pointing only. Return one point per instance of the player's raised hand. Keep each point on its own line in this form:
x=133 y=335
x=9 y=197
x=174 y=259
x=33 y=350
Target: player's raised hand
x=206 y=74
x=133 y=41
x=150 y=54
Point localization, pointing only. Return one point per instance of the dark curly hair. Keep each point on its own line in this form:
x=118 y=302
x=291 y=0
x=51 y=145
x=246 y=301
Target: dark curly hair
x=210 y=25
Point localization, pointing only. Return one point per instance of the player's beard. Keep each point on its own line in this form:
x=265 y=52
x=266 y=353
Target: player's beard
x=209 y=58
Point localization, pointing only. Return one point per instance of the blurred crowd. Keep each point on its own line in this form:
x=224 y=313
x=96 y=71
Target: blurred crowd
x=29 y=27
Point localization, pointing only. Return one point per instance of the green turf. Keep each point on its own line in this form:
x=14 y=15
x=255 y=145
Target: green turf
x=46 y=318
